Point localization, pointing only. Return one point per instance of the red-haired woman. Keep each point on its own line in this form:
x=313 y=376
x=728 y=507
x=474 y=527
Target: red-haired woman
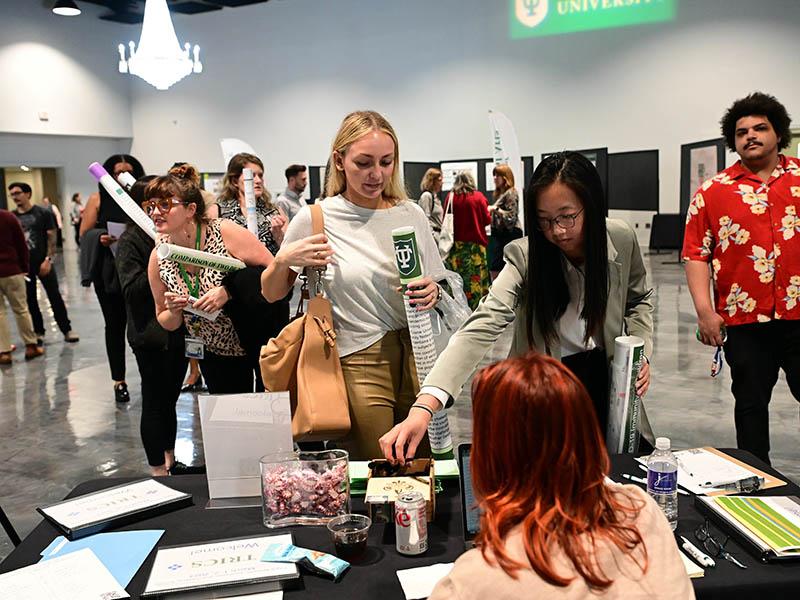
x=550 y=526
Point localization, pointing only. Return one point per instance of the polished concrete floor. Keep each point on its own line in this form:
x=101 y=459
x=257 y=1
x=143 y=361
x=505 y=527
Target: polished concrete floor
x=59 y=424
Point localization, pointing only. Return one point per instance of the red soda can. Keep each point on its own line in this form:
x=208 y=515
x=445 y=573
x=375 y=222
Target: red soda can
x=410 y=523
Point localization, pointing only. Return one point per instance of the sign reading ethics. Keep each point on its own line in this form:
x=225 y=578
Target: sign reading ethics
x=535 y=18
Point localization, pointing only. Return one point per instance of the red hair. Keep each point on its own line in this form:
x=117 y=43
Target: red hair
x=539 y=462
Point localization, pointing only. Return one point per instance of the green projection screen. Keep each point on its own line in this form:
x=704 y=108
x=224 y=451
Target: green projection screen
x=536 y=18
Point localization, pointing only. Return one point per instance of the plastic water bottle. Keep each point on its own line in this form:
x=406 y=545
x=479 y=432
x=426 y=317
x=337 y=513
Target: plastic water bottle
x=662 y=480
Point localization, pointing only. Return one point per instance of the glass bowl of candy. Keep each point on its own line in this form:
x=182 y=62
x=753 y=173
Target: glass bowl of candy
x=304 y=488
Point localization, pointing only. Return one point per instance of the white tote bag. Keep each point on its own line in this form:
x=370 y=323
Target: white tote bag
x=446 y=236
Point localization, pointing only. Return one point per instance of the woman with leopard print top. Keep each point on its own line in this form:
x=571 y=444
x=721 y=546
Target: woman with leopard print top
x=177 y=209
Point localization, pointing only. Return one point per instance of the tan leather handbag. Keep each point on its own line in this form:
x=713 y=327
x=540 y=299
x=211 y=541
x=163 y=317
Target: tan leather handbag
x=304 y=360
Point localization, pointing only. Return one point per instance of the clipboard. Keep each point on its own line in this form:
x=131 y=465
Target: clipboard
x=769 y=480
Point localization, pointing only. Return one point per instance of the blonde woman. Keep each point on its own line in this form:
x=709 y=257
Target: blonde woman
x=429 y=200
x=468 y=256
x=505 y=216
x=230 y=205
x=365 y=201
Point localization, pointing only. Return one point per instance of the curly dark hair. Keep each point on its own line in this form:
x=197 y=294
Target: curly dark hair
x=757 y=103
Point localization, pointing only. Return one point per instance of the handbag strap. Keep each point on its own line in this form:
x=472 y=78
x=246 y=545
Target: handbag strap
x=317 y=227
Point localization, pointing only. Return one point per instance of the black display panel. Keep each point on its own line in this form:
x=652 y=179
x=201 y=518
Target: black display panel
x=633 y=180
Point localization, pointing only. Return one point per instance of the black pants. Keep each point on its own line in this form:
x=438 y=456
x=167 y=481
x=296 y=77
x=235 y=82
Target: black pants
x=501 y=238
x=591 y=368
x=50 y=284
x=755 y=354
x=162 y=375
x=227 y=374
x=116 y=319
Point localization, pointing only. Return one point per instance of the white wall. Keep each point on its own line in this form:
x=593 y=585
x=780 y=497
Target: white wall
x=282 y=74
x=66 y=67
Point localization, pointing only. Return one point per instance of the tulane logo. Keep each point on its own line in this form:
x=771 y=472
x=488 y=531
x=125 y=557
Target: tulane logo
x=531 y=12
x=405 y=256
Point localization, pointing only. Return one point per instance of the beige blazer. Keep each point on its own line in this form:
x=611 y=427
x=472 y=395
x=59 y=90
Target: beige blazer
x=473 y=578
x=629 y=311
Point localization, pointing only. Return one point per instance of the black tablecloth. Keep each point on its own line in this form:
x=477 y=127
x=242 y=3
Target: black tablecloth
x=375 y=577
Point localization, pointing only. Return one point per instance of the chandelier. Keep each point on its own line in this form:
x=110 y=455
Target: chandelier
x=159 y=58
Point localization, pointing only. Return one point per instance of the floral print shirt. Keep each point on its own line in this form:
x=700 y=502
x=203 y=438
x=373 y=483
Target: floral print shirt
x=750 y=232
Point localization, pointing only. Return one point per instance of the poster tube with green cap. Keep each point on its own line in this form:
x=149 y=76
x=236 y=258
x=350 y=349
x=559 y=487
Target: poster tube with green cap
x=409 y=265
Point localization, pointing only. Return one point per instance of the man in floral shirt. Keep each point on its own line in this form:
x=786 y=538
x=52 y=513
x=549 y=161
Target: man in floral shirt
x=744 y=221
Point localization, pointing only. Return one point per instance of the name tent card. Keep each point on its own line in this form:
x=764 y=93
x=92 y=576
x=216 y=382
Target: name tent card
x=113 y=507
x=229 y=567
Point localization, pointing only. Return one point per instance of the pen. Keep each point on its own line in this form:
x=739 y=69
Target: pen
x=682 y=466
x=701 y=557
x=747 y=484
x=644 y=482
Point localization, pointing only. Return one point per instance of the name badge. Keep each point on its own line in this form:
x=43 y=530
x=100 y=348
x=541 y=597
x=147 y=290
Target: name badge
x=194 y=348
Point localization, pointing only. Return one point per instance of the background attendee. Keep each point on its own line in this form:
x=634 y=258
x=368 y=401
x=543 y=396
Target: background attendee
x=468 y=255
x=366 y=200
x=53 y=207
x=505 y=216
x=570 y=288
x=429 y=201
x=291 y=200
x=551 y=527
x=13 y=267
x=75 y=215
x=254 y=319
x=177 y=208
x=101 y=209
x=159 y=353
x=744 y=222
x=39 y=226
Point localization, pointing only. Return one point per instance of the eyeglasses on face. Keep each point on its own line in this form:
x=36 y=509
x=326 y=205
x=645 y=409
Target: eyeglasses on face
x=164 y=205
x=17 y=193
x=563 y=221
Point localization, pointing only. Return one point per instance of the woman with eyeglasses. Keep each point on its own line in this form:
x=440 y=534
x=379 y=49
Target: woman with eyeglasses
x=178 y=211
x=570 y=288
x=159 y=353
x=551 y=526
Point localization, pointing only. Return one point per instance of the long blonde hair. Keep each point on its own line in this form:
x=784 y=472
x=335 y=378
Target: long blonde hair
x=507 y=174
x=429 y=179
x=230 y=183
x=355 y=126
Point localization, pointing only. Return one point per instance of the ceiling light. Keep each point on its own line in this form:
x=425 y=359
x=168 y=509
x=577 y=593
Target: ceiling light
x=25 y=168
x=159 y=58
x=66 y=8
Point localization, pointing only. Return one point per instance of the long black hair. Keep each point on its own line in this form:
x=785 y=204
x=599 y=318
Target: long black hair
x=108 y=165
x=547 y=291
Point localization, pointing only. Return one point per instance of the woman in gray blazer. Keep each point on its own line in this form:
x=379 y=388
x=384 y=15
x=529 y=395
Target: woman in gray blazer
x=570 y=288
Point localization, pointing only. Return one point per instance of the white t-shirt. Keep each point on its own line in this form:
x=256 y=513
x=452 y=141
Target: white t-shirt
x=571 y=326
x=362 y=284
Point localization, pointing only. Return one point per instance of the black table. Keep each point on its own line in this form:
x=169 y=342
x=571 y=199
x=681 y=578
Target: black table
x=375 y=576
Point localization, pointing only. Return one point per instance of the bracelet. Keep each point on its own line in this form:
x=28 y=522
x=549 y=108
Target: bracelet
x=423 y=407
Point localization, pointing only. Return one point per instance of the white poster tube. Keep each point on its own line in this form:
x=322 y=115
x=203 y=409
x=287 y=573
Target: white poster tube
x=625 y=405
x=121 y=197
x=423 y=346
x=250 y=201
x=190 y=256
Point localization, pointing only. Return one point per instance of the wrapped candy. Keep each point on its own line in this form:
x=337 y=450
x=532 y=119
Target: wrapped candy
x=309 y=488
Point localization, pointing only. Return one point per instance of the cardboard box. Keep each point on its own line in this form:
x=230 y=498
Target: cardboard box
x=385 y=482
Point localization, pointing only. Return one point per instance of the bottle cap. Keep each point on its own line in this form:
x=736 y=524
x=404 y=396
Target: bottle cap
x=662 y=443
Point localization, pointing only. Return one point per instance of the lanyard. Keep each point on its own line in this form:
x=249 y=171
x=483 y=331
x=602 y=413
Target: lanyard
x=194 y=291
